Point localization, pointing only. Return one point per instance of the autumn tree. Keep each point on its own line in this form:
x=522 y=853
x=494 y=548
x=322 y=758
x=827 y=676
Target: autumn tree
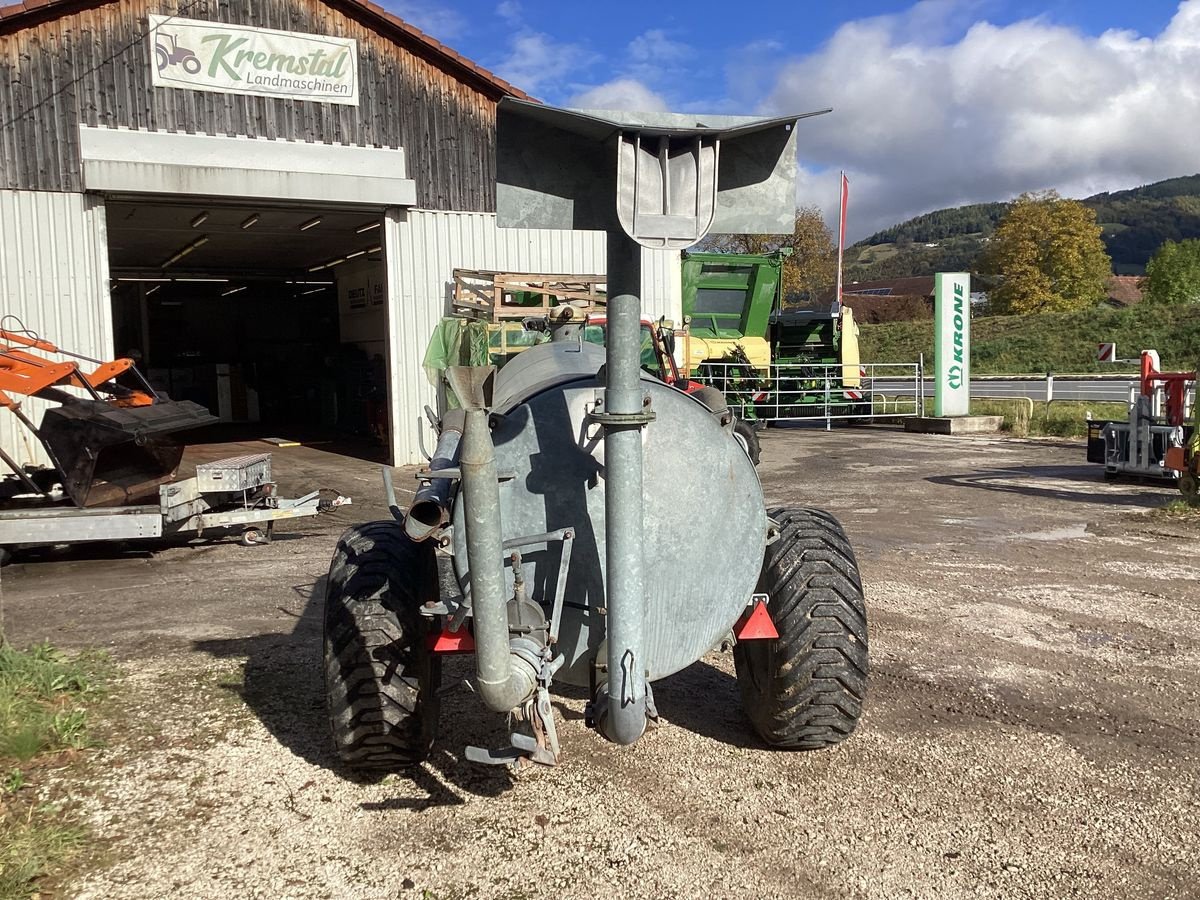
x=1173 y=273
x=1049 y=256
x=810 y=269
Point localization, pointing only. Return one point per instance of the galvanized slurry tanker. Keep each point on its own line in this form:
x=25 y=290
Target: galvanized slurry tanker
x=604 y=528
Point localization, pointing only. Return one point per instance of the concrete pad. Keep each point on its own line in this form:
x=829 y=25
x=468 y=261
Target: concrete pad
x=953 y=425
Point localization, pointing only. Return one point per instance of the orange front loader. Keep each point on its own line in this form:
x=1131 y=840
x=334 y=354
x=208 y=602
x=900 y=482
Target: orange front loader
x=109 y=446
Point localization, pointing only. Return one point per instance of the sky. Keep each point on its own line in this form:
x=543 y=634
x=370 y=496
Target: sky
x=935 y=103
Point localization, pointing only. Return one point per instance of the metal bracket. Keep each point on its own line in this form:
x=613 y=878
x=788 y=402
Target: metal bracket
x=522 y=746
x=643 y=417
x=447 y=607
x=454 y=474
x=774 y=531
x=542 y=747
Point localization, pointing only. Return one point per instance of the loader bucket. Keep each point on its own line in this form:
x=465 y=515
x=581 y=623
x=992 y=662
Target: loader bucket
x=111 y=455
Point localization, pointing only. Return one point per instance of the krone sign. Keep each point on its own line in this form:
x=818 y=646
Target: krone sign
x=952 y=344
x=237 y=59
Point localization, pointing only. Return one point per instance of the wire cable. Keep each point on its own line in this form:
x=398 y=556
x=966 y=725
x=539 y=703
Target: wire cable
x=78 y=78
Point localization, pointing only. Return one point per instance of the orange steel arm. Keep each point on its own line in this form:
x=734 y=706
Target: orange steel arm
x=26 y=379
x=26 y=374
x=24 y=340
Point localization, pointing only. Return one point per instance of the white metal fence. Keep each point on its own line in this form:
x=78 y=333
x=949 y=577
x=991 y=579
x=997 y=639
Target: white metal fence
x=796 y=392
x=799 y=392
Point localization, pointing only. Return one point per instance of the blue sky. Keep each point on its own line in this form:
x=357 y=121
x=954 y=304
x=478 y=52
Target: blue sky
x=936 y=102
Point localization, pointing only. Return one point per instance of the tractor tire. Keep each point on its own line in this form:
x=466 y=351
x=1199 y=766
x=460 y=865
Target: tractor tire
x=712 y=398
x=805 y=690
x=747 y=437
x=1189 y=486
x=381 y=681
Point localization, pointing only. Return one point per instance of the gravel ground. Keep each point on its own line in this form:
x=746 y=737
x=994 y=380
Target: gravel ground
x=1032 y=726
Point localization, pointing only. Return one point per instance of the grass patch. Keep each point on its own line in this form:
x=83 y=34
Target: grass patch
x=29 y=850
x=41 y=690
x=1051 y=342
x=44 y=695
x=1062 y=418
x=1179 y=511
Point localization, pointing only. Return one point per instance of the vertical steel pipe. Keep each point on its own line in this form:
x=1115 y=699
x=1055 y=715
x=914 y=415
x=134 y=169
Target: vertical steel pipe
x=625 y=717
x=505 y=679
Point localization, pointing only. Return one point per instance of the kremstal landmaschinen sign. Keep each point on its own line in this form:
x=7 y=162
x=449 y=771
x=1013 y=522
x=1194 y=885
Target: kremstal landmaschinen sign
x=237 y=59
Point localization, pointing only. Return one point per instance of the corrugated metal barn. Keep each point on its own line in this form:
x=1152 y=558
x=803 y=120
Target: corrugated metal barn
x=262 y=200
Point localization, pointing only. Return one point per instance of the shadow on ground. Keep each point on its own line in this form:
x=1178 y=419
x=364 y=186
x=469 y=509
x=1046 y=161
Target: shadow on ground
x=706 y=701
x=283 y=685
x=1024 y=480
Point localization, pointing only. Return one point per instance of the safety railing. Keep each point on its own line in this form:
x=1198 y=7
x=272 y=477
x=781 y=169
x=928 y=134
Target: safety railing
x=796 y=392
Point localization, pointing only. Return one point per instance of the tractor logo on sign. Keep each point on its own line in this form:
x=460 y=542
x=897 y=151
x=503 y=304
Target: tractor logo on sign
x=168 y=53
x=954 y=377
x=198 y=55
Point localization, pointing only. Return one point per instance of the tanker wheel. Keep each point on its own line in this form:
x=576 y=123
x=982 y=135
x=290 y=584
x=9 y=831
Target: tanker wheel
x=747 y=437
x=805 y=690
x=381 y=680
x=1189 y=486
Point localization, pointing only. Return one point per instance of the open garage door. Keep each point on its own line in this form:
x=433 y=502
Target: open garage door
x=272 y=317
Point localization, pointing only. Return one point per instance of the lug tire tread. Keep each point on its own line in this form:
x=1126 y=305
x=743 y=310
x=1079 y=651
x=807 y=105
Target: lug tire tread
x=380 y=680
x=806 y=691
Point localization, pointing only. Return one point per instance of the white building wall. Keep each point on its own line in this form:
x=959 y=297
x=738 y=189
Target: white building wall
x=54 y=279
x=422 y=250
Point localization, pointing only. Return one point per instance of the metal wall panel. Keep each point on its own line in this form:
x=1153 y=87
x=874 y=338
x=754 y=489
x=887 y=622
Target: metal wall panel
x=54 y=279
x=422 y=250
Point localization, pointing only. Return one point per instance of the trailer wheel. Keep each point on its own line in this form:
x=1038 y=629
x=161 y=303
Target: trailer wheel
x=381 y=680
x=805 y=690
x=747 y=437
x=1189 y=486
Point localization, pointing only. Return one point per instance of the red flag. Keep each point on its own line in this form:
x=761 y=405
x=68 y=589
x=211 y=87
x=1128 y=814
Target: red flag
x=845 y=192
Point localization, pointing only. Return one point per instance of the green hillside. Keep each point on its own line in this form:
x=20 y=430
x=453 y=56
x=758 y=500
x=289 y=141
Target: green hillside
x=1135 y=223
x=1050 y=342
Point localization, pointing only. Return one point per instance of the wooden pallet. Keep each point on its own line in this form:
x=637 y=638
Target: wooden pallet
x=486 y=294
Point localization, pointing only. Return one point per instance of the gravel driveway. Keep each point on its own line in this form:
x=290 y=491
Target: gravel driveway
x=1032 y=725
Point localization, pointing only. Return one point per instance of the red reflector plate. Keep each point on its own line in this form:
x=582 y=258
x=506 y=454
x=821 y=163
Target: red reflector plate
x=755 y=624
x=461 y=641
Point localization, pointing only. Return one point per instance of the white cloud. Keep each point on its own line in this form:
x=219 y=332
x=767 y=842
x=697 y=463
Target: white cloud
x=536 y=61
x=986 y=112
x=434 y=19
x=659 y=62
x=656 y=48
x=625 y=94
x=510 y=11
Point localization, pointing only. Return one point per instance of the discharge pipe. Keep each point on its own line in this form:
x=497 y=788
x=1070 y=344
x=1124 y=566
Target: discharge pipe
x=430 y=509
x=624 y=716
x=506 y=679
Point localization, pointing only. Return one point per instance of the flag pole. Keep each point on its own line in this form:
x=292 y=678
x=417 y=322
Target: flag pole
x=844 y=192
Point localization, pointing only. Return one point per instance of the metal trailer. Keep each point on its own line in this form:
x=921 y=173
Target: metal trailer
x=231 y=493
x=583 y=522
x=1154 y=431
